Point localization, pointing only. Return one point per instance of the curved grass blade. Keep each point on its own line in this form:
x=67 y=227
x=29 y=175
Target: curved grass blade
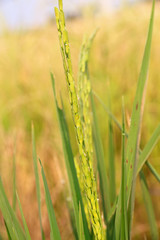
x=148 y=149
x=27 y=235
x=124 y=227
x=149 y=207
x=153 y=170
x=38 y=191
x=70 y=166
x=134 y=132
x=55 y=234
x=108 y=111
x=14 y=228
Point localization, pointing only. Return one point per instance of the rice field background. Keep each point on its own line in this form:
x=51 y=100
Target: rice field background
x=26 y=95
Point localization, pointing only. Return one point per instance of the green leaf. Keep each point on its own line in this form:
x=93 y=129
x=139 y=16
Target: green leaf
x=38 y=192
x=107 y=110
x=112 y=188
x=81 y=227
x=149 y=207
x=55 y=234
x=8 y=234
x=134 y=132
x=148 y=148
x=70 y=166
x=14 y=228
x=124 y=227
x=153 y=171
x=14 y=179
x=104 y=186
x=23 y=219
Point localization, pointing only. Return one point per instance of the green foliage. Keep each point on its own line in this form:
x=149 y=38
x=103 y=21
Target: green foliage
x=14 y=179
x=24 y=221
x=13 y=226
x=55 y=234
x=124 y=222
x=117 y=210
x=37 y=180
x=149 y=207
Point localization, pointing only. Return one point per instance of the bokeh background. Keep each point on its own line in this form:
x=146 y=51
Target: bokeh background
x=29 y=50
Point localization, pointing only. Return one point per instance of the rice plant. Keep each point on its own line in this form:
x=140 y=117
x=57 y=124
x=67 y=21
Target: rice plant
x=111 y=217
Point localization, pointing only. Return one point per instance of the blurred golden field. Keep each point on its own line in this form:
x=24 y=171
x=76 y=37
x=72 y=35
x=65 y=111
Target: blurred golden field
x=26 y=59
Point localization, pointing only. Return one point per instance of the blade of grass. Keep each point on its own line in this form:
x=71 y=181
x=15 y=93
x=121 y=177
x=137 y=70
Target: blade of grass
x=136 y=120
x=38 y=191
x=134 y=132
x=55 y=234
x=148 y=149
x=81 y=228
x=112 y=188
x=70 y=166
x=27 y=235
x=149 y=207
x=153 y=170
x=104 y=186
x=13 y=225
x=14 y=178
x=124 y=227
x=70 y=209
x=8 y=234
x=107 y=110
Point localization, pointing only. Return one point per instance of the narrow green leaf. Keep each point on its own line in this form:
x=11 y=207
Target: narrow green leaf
x=149 y=207
x=23 y=219
x=104 y=186
x=124 y=227
x=112 y=188
x=38 y=192
x=70 y=166
x=134 y=132
x=14 y=228
x=107 y=110
x=153 y=170
x=55 y=234
x=148 y=148
x=14 y=179
x=8 y=234
x=81 y=228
